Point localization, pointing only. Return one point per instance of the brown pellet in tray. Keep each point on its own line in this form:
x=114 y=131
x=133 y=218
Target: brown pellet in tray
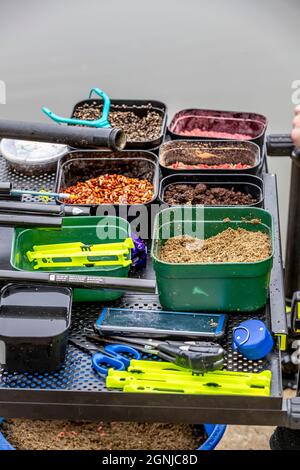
x=138 y=128
x=203 y=194
x=72 y=435
x=186 y=155
x=111 y=189
x=229 y=246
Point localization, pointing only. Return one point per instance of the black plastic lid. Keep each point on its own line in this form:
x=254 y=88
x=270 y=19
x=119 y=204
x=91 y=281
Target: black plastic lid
x=34 y=311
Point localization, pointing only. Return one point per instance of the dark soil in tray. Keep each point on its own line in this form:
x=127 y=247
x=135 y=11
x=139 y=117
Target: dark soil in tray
x=68 y=435
x=203 y=194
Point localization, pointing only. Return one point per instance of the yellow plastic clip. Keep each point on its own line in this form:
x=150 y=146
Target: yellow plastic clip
x=63 y=255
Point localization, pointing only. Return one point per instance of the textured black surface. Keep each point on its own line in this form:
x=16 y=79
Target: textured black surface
x=44 y=181
x=77 y=373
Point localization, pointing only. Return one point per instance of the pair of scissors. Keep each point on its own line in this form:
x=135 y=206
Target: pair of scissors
x=115 y=356
x=199 y=356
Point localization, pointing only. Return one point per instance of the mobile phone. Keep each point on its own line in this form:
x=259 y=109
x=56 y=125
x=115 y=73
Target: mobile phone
x=160 y=324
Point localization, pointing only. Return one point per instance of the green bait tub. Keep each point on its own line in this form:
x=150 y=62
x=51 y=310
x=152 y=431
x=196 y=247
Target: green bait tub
x=218 y=287
x=75 y=229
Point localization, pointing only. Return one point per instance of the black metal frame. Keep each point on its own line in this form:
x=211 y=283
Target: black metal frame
x=292 y=273
x=113 y=406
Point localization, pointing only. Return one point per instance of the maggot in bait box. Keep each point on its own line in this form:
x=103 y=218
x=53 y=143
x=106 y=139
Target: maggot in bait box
x=80 y=166
x=34 y=324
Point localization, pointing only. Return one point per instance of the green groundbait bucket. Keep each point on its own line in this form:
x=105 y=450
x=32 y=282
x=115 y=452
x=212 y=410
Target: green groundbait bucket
x=219 y=287
x=75 y=229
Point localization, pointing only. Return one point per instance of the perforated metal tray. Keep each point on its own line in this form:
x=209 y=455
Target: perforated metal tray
x=77 y=374
x=76 y=392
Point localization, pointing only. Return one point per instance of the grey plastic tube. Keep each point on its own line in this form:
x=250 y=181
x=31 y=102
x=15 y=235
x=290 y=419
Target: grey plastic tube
x=74 y=136
x=17 y=220
x=83 y=281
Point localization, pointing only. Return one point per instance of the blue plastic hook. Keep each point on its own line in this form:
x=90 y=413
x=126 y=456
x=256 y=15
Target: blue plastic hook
x=101 y=122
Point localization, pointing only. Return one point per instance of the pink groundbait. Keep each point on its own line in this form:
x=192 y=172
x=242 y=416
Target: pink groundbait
x=210 y=124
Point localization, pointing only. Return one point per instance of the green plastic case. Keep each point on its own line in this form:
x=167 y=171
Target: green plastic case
x=75 y=229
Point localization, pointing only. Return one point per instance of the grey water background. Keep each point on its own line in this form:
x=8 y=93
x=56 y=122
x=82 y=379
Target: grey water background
x=233 y=54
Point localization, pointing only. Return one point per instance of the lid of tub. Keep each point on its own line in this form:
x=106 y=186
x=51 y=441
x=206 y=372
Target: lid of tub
x=31 y=152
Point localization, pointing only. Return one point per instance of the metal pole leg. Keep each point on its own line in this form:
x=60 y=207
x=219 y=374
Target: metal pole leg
x=292 y=259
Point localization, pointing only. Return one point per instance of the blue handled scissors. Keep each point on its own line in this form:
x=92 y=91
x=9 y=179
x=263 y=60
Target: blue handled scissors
x=115 y=356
